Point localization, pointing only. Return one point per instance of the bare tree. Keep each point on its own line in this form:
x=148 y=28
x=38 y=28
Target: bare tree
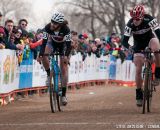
x=15 y=9
x=107 y=16
x=154 y=7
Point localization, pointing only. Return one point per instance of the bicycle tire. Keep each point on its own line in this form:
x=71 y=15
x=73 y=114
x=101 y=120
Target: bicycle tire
x=150 y=93
x=56 y=85
x=145 y=91
x=53 y=97
x=147 y=95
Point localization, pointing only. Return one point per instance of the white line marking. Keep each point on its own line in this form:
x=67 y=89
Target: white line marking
x=76 y=123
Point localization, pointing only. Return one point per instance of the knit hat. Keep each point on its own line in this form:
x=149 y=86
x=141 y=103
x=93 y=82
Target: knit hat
x=2 y=30
x=85 y=35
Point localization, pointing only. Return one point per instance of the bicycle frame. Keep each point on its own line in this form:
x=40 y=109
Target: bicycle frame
x=55 y=77
x=56 y=69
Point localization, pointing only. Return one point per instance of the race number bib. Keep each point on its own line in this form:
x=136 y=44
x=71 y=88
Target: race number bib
x=127 y=31
x=67 y=37
x=154 y=24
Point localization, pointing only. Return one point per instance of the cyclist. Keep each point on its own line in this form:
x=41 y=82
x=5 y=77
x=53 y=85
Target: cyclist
x=56 y=36
x=144 y=28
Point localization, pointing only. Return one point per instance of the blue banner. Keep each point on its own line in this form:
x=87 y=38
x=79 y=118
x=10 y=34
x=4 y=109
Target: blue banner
x=112 y=67
x=26 y=69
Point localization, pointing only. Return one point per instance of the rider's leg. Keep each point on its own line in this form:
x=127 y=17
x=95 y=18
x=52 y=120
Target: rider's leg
x=155 y=45
x=45 y=60
x=64 y=70
x=139 y=61
x=46 y=63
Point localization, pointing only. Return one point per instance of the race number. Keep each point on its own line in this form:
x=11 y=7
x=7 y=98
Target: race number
x=67 y=37
x=127 y=31
x=154 y=24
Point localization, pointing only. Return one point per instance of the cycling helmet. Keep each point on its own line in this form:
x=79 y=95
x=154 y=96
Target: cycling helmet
x=137 y=12
x=58 y=17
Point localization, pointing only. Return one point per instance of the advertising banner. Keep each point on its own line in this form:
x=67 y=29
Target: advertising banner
x=39 y=75
x=9 y=71
x=26 y=68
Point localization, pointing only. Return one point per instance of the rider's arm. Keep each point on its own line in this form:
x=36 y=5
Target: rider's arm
x=126 y=36
x=44 y=42
x=155 y=26
x=35 y=44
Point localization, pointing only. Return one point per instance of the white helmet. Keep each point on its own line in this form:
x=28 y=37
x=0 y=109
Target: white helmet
x=58 y=17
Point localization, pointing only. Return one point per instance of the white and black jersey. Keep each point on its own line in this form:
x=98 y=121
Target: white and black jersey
x=60 y=39
x=142 y=33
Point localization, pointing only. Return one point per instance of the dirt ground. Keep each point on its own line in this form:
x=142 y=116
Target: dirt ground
x=89 y=108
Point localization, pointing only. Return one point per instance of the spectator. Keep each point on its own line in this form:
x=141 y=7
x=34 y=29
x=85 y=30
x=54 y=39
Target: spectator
x=8 y=29
x=17 y=34
x=8 y=32
x=93 y=46
x=74 y=43
x=88 y=48
x=80 y=43
x=12 y=39
x=82 y=48
x=98 y=44
x=2 y=41
x=22 y=24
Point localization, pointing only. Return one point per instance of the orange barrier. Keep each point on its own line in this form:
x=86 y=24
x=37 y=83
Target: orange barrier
x=10 y=97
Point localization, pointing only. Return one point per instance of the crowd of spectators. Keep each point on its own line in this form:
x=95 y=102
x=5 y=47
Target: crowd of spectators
x=99 y=46
x=16 y=37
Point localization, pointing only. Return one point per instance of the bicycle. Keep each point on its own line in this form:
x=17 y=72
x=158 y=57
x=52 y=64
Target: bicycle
x=148 y=79
x=148 y=76
x=55 y=91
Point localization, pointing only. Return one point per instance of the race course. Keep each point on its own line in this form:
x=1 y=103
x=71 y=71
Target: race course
x=90 y=108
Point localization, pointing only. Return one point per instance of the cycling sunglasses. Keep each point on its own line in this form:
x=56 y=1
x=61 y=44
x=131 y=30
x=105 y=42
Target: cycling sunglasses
x=54 y=22
x=137 y=19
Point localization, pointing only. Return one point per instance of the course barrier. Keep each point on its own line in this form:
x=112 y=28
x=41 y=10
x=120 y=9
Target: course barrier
x=30 y=75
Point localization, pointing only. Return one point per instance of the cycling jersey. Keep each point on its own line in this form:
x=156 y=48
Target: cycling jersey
x=142 y=34
x=60 y=39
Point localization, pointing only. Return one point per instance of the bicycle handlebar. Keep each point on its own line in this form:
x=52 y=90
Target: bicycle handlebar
x=148 y=51
x=53 y=54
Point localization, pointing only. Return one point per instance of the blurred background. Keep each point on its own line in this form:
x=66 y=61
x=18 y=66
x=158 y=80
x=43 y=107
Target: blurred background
x=97 y=17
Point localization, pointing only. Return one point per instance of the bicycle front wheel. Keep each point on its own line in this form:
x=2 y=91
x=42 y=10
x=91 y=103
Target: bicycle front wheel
x=150 y=94
x=53 y=95
x=147 y=95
